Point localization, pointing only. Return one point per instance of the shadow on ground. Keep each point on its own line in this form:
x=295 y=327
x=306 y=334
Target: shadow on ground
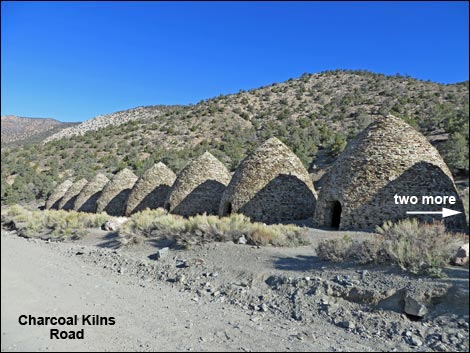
x=111 y=241
x=162 y=243
x=302 y=263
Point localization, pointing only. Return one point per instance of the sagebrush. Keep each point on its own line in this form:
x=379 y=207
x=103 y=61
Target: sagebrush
x=415 y=247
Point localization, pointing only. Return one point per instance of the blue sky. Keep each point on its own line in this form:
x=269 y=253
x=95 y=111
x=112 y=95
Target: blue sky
x=75 y=60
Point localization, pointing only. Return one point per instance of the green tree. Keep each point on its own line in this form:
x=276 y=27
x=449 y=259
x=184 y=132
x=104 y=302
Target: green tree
x=455 y=152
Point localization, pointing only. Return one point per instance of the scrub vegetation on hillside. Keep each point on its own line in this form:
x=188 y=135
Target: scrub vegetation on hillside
x=314 y=115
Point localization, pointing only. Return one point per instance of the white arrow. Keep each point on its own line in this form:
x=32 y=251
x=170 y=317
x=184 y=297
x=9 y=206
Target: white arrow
x=445 y=212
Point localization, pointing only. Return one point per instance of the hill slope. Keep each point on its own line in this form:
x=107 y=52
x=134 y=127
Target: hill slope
x=102 y=121
x=18 y=130
x=315 y=115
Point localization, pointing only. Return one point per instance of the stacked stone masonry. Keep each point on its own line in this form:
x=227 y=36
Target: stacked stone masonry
x=271 y=185
x=113 y=199
x=389 y=157
x=86 y=200
x=68 y=200
x=151 y=190
x=199 y=187
x=59 y=192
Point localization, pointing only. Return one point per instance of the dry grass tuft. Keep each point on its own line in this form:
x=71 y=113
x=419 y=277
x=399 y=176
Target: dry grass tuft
x=53 y=223
x=207 y=228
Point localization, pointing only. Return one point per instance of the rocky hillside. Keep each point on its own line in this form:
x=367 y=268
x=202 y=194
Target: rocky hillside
x=19 y=130
x=315 y=115
x=114 y=119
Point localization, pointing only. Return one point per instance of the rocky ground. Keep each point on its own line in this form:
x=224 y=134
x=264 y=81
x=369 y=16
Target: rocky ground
x=226 y=297
x=114 y=119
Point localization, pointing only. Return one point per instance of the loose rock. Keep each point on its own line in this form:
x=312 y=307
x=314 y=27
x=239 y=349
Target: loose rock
x=414 y=307
x=462 y=255
x=162 y=253
x=114 y=224
x=347 y=324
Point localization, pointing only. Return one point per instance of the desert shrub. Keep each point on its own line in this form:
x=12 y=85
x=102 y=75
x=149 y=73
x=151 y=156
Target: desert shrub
x=455 y=151
x=15 y=211
x=363 y=252
x=350 y=97
x=151 y=222
x=418 y=247
x=335 y=250
x=56 y=223
x=414 y=246
x=207 y=228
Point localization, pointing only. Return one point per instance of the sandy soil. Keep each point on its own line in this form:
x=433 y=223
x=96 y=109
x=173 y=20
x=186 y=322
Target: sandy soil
x=219 y=297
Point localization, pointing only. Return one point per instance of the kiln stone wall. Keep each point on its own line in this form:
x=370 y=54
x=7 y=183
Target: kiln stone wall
x=59 y=192
x=68 y=200
x=113 y=199
x=389 y=157
x=86 y=200
x=199 y=187
x=271 y=185
x=151 y=190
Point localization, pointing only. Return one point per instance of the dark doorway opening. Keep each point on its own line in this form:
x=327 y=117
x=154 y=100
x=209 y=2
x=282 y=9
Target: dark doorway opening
x=227 y=209
x=336 y=215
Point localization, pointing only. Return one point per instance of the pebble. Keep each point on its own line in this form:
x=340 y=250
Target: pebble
x=412 y=339
x=162 y=253
x=330 y=309
x=415 y=341
x=439 y=347
x=182 y=264
x=180 y=278
x=347 y=324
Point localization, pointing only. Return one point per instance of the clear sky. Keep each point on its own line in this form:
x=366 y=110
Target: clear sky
x=75 y=60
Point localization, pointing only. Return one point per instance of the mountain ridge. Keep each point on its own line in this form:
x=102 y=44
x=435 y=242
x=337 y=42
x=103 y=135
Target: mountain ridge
x=315 y=115
x=18 y=130
x=144 y=112
x=115 y=119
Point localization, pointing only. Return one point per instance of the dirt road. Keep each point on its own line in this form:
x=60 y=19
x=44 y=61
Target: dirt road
x=39 y=279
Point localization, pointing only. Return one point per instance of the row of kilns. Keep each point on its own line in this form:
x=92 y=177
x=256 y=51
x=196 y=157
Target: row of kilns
x=271 y=185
